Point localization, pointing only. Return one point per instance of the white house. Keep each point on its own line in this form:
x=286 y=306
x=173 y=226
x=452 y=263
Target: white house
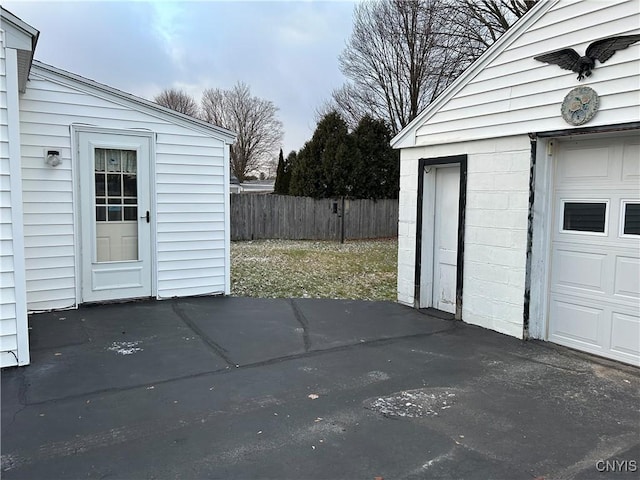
x=520 y=201
x=105 y=196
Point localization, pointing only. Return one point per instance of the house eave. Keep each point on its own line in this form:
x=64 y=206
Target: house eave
x=73 y=80
x=406 y=138
x=22 y=37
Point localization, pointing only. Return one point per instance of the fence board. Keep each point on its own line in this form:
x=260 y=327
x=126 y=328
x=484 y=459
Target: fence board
x=255 y=217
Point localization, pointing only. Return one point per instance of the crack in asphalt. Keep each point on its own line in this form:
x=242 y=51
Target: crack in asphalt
x=22 y=396
x=302 y=320
x=217 y=349
x=262 y=363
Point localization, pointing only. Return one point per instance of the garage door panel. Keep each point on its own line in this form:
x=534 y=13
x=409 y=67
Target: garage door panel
x=594 y=281
x=579 y=270
x=576 y=322
x=631 y=163
x=627 y=277
x=579 y=164
x=625 y=332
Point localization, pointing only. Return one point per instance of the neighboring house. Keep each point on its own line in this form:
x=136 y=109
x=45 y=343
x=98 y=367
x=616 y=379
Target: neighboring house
x=105 y=196
x=515 y=219
x=257 y=186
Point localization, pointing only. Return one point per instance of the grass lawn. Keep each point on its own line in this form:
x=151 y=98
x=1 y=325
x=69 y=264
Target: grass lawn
x=364 y=270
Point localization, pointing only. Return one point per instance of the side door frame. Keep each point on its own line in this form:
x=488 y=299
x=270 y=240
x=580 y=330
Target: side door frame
x=426 y=206
x=74 y=130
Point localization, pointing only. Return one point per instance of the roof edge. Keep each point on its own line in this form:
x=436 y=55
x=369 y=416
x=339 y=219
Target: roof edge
x=18 y=23
x=28 y=31
x=495 y=49
x=221 y=133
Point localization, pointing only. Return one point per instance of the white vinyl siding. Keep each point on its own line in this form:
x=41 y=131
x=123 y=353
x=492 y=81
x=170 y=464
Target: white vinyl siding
x=515 y=94
x=191 y=203
x=8 y=324
x=189 y=193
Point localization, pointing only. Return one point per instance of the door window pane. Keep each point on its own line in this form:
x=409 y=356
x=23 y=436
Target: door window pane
x=631 y=219
x=100 y=180
x=130 y=187
x=115 y=214
x=113 y=161
x=584 y=217
x=100 y=159
x=114 y=185
x=116 y=225
x=130 y=213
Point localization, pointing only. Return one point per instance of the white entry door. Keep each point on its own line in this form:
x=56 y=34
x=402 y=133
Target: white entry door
x=445 y=238
x=115 y=215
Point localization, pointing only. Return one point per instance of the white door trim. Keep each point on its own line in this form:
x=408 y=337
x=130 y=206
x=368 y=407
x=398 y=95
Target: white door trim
x=424 y=261
x=75 y=130
x=541 y=240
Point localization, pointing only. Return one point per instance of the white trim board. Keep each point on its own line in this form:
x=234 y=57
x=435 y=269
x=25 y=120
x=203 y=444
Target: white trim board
x=19 y=269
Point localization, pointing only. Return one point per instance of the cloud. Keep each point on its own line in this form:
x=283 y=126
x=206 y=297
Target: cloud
x=169 y=25
x=286 y=51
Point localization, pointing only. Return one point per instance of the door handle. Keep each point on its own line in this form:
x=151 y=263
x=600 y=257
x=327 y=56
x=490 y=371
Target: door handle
x=147 y=217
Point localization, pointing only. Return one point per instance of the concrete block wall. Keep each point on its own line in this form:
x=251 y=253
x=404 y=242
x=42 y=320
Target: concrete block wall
x=495 y=229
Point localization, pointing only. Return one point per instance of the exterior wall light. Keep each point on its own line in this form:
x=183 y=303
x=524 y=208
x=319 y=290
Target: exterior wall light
x=52 y=158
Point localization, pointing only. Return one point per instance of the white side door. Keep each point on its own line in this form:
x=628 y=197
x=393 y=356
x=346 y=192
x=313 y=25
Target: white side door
x=115 y=215
x=445 y=241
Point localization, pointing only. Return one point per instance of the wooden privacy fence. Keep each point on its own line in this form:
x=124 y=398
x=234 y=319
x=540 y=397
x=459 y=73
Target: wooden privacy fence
x=255 y=217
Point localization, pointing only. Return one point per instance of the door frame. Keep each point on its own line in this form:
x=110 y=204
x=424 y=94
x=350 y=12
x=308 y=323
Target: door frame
x=425 y=217
x=75 y=130
x=541 y=214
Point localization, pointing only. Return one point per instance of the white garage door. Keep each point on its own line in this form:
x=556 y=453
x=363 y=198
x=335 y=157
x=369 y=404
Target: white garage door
x=594 y=302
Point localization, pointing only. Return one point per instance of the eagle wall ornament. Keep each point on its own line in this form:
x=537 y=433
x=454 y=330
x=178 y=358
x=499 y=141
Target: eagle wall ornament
x=601 y=50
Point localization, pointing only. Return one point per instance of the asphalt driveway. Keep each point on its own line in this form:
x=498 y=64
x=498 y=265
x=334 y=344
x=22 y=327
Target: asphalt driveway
x=320 y=389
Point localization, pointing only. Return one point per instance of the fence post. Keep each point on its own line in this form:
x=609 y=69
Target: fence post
x=342 y=221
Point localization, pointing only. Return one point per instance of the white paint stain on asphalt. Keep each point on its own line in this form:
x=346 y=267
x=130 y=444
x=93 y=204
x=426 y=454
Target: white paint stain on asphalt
x=413 y=403
x=125 y=348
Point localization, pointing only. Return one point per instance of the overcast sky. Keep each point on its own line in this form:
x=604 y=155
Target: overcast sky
x=286 y=51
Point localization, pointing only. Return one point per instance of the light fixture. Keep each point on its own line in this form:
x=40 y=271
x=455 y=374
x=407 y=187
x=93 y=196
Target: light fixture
x=52 y=158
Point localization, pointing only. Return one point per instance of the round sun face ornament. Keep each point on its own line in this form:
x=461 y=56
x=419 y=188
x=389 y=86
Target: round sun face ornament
x=580 y=105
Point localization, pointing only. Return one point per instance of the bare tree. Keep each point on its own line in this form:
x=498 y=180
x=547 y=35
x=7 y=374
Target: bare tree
x=404 y=53
x=477 y=24
x=253 y=119
x=177 y=100
x=397 y=61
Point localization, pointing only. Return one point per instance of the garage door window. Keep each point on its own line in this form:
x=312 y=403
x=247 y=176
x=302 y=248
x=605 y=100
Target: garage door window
x=584 y=216
x=630 y=218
